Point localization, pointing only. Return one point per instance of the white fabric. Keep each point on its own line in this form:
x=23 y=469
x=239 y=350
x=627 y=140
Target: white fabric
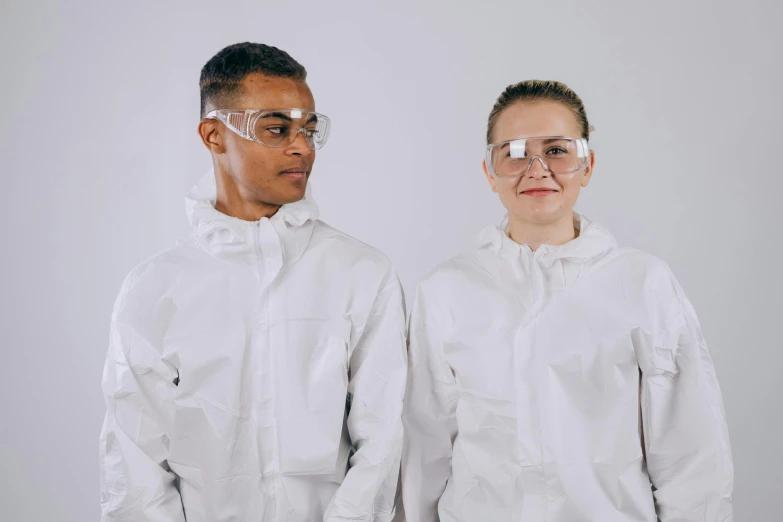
x=251 y=367
x=567 y=384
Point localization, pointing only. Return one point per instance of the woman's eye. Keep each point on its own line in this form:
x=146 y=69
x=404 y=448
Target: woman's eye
x=556 y=150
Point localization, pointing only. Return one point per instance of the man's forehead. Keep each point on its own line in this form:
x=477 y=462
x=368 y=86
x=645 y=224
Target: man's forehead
x=265 y=92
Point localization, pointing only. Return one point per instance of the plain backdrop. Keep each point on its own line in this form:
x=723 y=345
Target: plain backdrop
x=98 y=145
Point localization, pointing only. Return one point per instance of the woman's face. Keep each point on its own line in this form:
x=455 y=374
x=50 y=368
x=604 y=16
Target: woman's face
x=538 y=196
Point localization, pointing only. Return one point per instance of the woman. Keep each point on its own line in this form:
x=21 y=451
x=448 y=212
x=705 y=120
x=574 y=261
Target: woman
x=555 y=376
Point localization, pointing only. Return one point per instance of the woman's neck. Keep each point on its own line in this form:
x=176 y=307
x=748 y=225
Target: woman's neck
x=536 y=234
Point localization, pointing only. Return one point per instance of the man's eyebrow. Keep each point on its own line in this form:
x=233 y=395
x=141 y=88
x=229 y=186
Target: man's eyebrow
x=283 y=116
x=280 y=115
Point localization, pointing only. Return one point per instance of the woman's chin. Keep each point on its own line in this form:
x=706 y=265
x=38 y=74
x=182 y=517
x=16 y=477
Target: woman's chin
x=540 y=214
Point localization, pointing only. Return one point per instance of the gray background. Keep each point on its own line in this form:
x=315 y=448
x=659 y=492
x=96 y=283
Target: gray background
x=98 y=144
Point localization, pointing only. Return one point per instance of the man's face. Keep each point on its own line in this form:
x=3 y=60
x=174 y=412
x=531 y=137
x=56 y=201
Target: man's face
x=261 y=174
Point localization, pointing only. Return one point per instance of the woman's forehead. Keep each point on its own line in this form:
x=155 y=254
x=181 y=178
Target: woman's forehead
x=539 y=118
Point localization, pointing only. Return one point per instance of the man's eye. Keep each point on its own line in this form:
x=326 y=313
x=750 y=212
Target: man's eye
x=276 y=130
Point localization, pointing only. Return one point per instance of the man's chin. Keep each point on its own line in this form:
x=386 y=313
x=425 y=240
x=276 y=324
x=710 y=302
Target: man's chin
x=290 y=196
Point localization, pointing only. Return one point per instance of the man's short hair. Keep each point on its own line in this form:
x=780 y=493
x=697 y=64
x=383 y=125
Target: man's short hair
x=221 y=77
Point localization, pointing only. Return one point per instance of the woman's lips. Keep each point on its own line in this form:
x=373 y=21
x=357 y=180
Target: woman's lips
x=539 y=192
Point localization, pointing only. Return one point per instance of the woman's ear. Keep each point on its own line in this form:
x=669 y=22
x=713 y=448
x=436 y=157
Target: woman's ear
x=589 y=170
x=490 y=178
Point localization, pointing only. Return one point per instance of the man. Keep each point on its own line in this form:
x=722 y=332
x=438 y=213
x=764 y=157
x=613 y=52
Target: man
x=257 y=368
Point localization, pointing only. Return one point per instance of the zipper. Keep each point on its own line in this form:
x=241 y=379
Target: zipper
x=259 y=257
x=538 y=293
x=270 y=512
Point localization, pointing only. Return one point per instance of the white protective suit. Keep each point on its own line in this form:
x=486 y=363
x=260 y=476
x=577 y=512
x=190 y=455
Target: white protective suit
x=256 y=372
x=570 y=384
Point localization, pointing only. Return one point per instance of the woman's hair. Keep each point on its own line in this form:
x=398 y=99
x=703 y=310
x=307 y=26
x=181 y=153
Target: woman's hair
x=539 y=90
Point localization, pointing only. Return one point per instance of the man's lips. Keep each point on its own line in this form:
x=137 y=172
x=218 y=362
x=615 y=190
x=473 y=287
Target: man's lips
x=294 y=173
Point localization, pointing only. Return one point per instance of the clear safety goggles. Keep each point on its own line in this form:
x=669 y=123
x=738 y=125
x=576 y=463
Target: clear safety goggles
x=558 y=154
x=276 y=127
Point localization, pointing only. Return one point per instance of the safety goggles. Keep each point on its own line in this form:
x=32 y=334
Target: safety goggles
x=558 y=154
x=276 y=127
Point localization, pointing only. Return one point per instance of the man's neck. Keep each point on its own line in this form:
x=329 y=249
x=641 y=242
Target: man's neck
x=243 y=209
x=231 y=202
x=536 y=234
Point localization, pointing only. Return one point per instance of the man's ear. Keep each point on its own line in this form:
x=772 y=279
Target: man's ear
x=211 y=134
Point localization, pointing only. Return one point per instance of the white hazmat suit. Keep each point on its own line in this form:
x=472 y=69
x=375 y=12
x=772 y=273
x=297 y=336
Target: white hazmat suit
x=256 y=371
x=569 y=384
